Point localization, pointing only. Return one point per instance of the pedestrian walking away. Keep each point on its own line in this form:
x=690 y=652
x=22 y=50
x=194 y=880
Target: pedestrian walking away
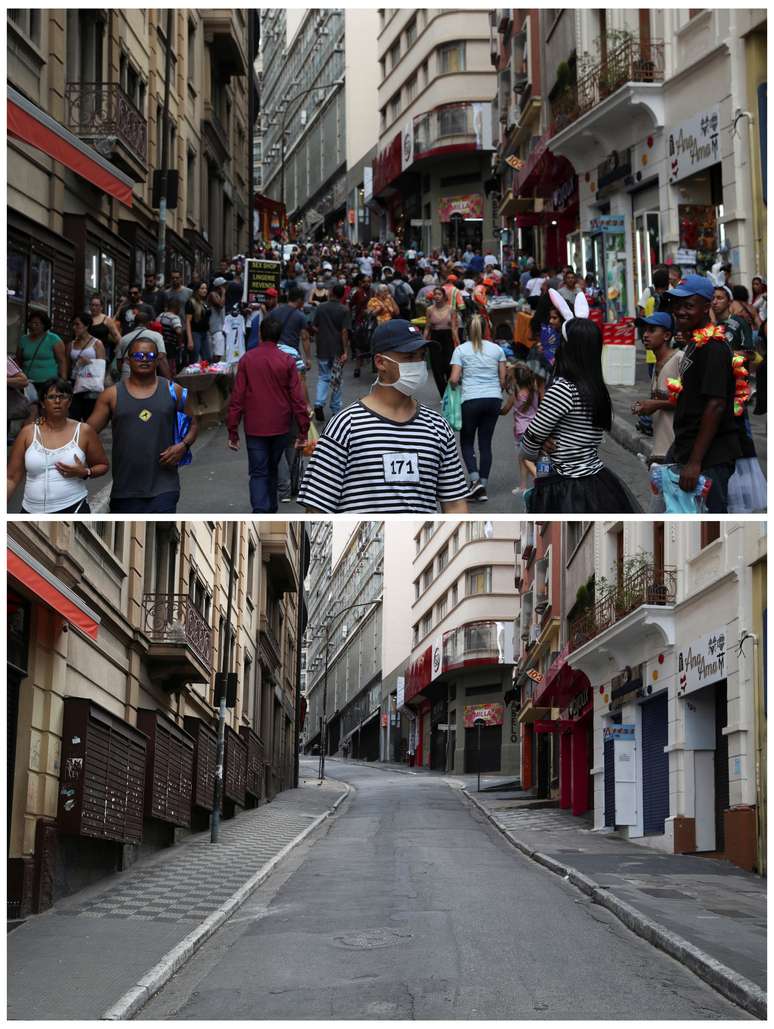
x=332 y=325
x=267 y=395
x=55 y=456
x=568 y=427
x=388 y=453
x=143 y=411
x=480 y=364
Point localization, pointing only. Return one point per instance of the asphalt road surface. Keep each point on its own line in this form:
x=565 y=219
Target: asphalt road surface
x=409 y=905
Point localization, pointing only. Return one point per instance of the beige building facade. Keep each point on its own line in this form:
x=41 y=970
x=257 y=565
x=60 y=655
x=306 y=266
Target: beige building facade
x=86 y=96
x=115 y=626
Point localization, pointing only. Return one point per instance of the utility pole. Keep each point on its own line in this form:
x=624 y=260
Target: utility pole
x=299 y=634
x=161 y=257
x=224 y=663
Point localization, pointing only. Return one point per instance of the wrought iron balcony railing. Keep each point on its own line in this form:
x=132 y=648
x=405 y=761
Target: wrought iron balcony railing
x=102 y=112
x=645 y=586
x=171 y=618
x=632 y=61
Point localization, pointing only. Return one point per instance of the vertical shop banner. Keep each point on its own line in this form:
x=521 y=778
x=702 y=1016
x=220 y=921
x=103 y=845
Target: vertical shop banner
x=407 y=146
x=694 y=145
x=401 y=689
x=260 y=276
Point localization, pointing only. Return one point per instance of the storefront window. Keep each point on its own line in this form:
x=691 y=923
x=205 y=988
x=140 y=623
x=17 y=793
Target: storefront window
x=699 y=233
x=17 y=297
x=107 y=283
x=40 y=283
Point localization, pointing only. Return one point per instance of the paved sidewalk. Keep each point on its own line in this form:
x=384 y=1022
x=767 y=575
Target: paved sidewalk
x=104 y=951
x=708 y=914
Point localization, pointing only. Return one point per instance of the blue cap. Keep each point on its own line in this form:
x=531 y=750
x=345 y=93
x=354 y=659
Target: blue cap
x=397 y=335
x=660 y=318
x=694 y=286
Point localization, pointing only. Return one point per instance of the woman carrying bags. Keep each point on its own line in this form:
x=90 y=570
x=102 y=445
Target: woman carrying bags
x=87 y=358
x=569 y=426
x=442 y=328
x=480 y=364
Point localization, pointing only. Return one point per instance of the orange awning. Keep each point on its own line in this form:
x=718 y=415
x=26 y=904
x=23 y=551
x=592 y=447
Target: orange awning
x=31 y=125
x=47 y=589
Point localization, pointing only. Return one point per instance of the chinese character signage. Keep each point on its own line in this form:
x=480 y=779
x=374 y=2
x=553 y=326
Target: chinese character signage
x=694 y=145
x=618 y=732
x=702 y=663
x=492 y=714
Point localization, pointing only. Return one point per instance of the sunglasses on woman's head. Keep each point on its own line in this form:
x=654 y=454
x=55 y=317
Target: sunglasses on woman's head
x=140 y=355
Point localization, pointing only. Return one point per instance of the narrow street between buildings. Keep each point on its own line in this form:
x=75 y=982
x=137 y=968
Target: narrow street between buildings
x=409 y=905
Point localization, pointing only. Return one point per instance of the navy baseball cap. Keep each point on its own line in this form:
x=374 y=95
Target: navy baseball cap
x=694 y=286
x=659 y=318
x=397 y=335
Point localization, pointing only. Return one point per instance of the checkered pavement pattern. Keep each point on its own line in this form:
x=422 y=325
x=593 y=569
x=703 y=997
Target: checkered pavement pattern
x=191 y=881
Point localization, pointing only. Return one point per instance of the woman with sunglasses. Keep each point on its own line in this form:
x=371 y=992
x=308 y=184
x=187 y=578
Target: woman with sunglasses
x=143 y=411
x=56 y=456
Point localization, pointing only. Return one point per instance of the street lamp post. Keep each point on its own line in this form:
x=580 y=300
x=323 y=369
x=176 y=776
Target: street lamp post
x=327 y=628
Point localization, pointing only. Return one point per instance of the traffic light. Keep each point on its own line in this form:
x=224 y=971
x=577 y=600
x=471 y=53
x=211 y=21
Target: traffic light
x=227 y=680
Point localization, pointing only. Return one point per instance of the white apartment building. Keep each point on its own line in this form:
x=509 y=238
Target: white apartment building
x=672 y=648
x=397 y=598
x=435 y=130
x=664 y=127
x=462 y=655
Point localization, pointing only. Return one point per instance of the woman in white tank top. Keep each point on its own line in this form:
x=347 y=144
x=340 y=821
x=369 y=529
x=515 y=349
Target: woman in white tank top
x=55 y=456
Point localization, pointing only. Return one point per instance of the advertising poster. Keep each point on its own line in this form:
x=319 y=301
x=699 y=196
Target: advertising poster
x=491 y=713
x=260 y=276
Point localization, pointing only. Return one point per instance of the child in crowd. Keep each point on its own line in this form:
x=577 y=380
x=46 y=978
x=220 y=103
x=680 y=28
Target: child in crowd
x=523 y=397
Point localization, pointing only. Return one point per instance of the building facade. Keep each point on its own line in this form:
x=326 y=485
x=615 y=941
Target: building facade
x=654 y=699
x=85 y=120
x=431 y=175
x=638 y=138
x=115 y=633
x=462 y=655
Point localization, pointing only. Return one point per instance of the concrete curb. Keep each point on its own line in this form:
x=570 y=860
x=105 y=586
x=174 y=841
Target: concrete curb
x=720 y=977
x=630 y=439
x=139 y=995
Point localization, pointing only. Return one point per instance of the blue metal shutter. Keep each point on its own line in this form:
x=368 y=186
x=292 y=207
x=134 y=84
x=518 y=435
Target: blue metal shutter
x=610 y=783
x=655 y=765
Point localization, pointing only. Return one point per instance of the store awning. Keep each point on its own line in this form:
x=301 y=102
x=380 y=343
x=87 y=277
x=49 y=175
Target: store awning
x=31 y=125
x=49 y=590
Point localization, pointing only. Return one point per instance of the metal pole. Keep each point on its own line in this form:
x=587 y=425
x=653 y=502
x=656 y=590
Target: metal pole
x=301 y=602
x=478 y=762
x=161 y=256
x=283 y=214
x=215 y=823
x=324 y=726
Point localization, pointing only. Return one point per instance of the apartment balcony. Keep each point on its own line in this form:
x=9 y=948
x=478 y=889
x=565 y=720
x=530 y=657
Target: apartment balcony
x=282 y=572
x=640 y=606
x=180 y=648
x=270 y=642
x=453 y=128
x=625 y=87
x=225 y=37
x=216 y=132
x=102 y=115
x=478 y=643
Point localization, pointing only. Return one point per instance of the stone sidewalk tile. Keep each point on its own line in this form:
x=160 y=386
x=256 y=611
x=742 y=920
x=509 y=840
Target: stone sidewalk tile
x=82 y=956
x=707 y=913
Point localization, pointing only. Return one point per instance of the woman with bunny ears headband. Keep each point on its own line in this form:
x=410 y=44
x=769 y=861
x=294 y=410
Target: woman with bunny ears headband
x=570 y=422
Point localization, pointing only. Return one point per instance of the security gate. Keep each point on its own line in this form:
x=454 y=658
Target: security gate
x=610 y=784
x=655 y=765
x=722 y=799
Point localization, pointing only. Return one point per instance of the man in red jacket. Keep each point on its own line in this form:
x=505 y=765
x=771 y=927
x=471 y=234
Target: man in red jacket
x=268 y=394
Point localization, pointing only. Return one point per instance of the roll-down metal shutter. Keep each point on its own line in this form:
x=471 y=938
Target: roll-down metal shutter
x=655 y=765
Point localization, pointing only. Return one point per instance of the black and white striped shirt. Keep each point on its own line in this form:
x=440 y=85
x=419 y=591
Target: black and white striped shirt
x=367 y=463
x=563 y=416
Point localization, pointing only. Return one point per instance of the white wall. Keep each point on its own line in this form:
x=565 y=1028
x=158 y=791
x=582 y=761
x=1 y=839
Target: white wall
x=361 y=78
x=398 y=594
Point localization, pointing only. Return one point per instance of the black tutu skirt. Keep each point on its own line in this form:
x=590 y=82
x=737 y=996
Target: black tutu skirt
x=603 y=494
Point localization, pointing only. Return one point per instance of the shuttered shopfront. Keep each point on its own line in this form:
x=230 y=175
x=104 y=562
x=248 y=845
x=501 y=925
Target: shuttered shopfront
x=169 y=769
x=205 y=757
x=254 y=765
x=655 y=765
x=235 y=768
x=102 y=779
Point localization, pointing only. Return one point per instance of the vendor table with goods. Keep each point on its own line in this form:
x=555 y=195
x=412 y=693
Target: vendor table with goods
x=209 y=387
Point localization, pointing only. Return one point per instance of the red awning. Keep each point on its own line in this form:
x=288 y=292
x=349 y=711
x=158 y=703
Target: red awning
x=31 y=125
x=49 y=590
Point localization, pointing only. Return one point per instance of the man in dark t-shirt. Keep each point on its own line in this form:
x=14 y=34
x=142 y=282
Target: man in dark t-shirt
x=332 y=322
x=293 y=321
x=706 y=432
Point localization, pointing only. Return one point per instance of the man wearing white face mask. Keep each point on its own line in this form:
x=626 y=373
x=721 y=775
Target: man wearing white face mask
x=387 y=453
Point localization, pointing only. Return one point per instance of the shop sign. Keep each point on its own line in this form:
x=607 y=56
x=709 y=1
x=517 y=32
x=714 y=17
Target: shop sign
x=685 y=257
x=629 y=681
x=469 y=207
x=401 y=689
x=535 y=675
x=702 y=663
x=618 y=732
x=561 y=197
x=260 y=276
x=407 y=145
x=610 y=224
x=615 y=166
x=368 y=184
x=694 y=144
x=492 y=714
x=514 y=724
x=577 y=705
x=437 y=666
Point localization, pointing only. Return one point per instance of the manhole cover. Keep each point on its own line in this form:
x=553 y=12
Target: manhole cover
x=370 y=939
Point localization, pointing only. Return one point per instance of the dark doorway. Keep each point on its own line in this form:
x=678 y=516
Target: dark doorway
x=610 y=784
x=655 y=765
x=491 y=746
x=12 y=714
x=721 y=765
x=543 y=764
